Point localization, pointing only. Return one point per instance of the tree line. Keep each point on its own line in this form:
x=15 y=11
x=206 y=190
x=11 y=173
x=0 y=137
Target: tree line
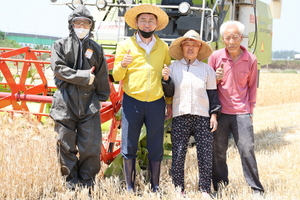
x=4 y=42
x=9 y=43
x=284 y=54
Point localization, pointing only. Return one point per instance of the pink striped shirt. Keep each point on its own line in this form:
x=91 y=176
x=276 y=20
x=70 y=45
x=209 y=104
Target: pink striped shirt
x=237 y=90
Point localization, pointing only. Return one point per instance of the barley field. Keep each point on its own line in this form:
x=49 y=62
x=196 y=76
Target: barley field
x=29 y=167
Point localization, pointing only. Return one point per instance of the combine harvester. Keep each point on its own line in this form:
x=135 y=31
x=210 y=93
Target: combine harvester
x=23 y=81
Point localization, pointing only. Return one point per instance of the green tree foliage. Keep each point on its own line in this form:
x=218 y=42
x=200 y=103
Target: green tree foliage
x=41 y=47
x=284 y=54
x=4 y=42
x=2 y=36
x=44 y=56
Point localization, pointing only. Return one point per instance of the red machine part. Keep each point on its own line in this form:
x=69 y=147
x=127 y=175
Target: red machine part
x=20 y=88
x=17 y=94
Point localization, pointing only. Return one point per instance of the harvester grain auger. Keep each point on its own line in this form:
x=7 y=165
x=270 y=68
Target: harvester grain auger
x=26 y=87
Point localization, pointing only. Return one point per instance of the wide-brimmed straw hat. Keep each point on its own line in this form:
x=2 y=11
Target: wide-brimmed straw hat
x=131 y=14
x=175 y=49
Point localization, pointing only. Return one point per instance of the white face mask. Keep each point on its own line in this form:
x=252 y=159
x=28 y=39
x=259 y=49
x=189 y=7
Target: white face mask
x=81 y=32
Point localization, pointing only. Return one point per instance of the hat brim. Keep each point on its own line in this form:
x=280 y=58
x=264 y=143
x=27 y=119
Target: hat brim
x=175 y=49
x=131 y=14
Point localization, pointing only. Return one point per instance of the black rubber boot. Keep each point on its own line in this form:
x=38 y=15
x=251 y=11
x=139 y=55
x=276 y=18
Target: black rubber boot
x=154 y=173
x=129 y=171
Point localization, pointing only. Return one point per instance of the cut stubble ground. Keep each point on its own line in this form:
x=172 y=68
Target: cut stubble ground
x=29 y=167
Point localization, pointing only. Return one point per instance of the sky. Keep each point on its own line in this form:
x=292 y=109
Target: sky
x=41 y=18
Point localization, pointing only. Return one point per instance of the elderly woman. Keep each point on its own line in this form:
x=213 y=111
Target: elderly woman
x=194 y=108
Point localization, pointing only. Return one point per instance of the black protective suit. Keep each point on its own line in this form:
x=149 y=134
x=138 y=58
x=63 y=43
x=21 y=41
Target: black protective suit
x=75 y=107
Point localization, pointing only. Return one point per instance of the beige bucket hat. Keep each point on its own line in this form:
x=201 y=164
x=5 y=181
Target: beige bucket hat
x=131 y=14
x=175 y=49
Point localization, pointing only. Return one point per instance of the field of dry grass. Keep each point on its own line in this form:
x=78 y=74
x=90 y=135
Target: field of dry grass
x=29 y=168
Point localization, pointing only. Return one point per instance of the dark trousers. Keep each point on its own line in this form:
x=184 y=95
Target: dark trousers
x=242 y=129
x=183 y=127
x=136 y=113
x=83 y=137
